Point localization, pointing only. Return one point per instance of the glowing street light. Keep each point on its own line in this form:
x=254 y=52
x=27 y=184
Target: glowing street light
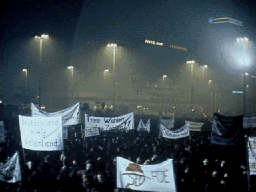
x=104 y=73
x=71 y=68
x=40 y=38
x=26 y=75
x=164 y=76
x=113 y=46
x=191 y=63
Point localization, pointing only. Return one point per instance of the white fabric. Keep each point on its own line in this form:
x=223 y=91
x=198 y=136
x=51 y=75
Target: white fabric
x=124 y=122
x=143 y=127
x=251 y=146
x=179 y=133
x=89 y=132
x=158 y=177
x=2 y=131
x=71 y=115
x=195 y=126
x=41 y=133
x=10 y=172
x=168 y=123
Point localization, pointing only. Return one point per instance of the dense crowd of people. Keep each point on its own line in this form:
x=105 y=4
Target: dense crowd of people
x=89 y=164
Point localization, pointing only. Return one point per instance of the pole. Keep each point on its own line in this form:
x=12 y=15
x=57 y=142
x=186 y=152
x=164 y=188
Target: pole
x=244 y=96
x=114 y=65
x=40 y=55
x=247 y=146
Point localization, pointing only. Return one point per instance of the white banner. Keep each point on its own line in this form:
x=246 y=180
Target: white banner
x=89 y=132
x=168 y=123
x=124 y=122
x=179 y=133
x=10 y=172
x=195 y=126
x=2 y=131
x=249 y=122
x=158 y=177
x=143 y=127
x=251 y=146
x=41 y=133
x=71 y=115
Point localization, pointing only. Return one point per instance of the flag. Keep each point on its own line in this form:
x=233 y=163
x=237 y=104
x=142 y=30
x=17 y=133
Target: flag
x=10 y=172
x=226 y=130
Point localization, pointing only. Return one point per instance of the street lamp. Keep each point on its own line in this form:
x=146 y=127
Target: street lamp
x=40 y=38
x=71 y=68
x=191 y=63
x=244 y=61
x=104 y=73
x=26 y=75
x=164 y=76
x=203 y=68
x=113 y=46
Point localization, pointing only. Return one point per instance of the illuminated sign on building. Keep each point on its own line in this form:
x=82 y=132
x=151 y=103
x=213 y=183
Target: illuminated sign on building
x=153 y=42
x=177 y=47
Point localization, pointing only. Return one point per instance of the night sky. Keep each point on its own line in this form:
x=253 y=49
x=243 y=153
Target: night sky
x=73 y=24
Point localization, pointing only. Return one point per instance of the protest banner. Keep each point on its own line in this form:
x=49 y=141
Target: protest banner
x=158 y=177
x=70 y=116
x=89 y=132
x=124 y=122
x=179 y=133
x=41 y=133
x=251 y=146
x=10 y=172
x=195 y=126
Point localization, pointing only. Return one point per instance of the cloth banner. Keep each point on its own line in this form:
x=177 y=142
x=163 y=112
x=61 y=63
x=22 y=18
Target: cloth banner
x=226 y=130
x=124 y=122
x=41 y=133
x=179 y=133
x=194 y=126
x=158 y=177
x=251 y=146
x=71 y=115
x=144 y=127
x=249 y=122
x=2 y=131
x=168 y=123
x=89 y=132
x=10 y=172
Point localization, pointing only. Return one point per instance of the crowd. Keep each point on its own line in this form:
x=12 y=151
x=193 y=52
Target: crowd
x=89 y=164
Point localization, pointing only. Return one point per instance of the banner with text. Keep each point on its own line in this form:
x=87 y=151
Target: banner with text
x=41 y=133
x=251 y=146
x=249 y=122
x=194 y=126
x=10 y=172
x=168 y=123
x=143 y=127
x=2 y=131
x=89 y=132
x=179 y=133
x=124 y=122
x=158 y=177
x=71 y=115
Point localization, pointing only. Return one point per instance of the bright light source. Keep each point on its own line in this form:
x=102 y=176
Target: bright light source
x=246 y=39
x=164 y=76
x=36 y=37
x=70 y=67
x=24 y=70
x=205 y=66
x=42 y=107
x=246 y=74
x=1 y=101
x=247 y=86
x=190 y=61
x=106 y=70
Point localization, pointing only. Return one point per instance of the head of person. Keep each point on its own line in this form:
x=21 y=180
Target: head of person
x=29 y=164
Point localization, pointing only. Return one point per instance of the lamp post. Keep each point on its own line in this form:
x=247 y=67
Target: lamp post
x=26 y=75
x=164 y=76
x=71 y=68
x=113 y=46
x=40 y=38
x=203 y=68
x=104 y=74
x=244 y=61
x=191 y=63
